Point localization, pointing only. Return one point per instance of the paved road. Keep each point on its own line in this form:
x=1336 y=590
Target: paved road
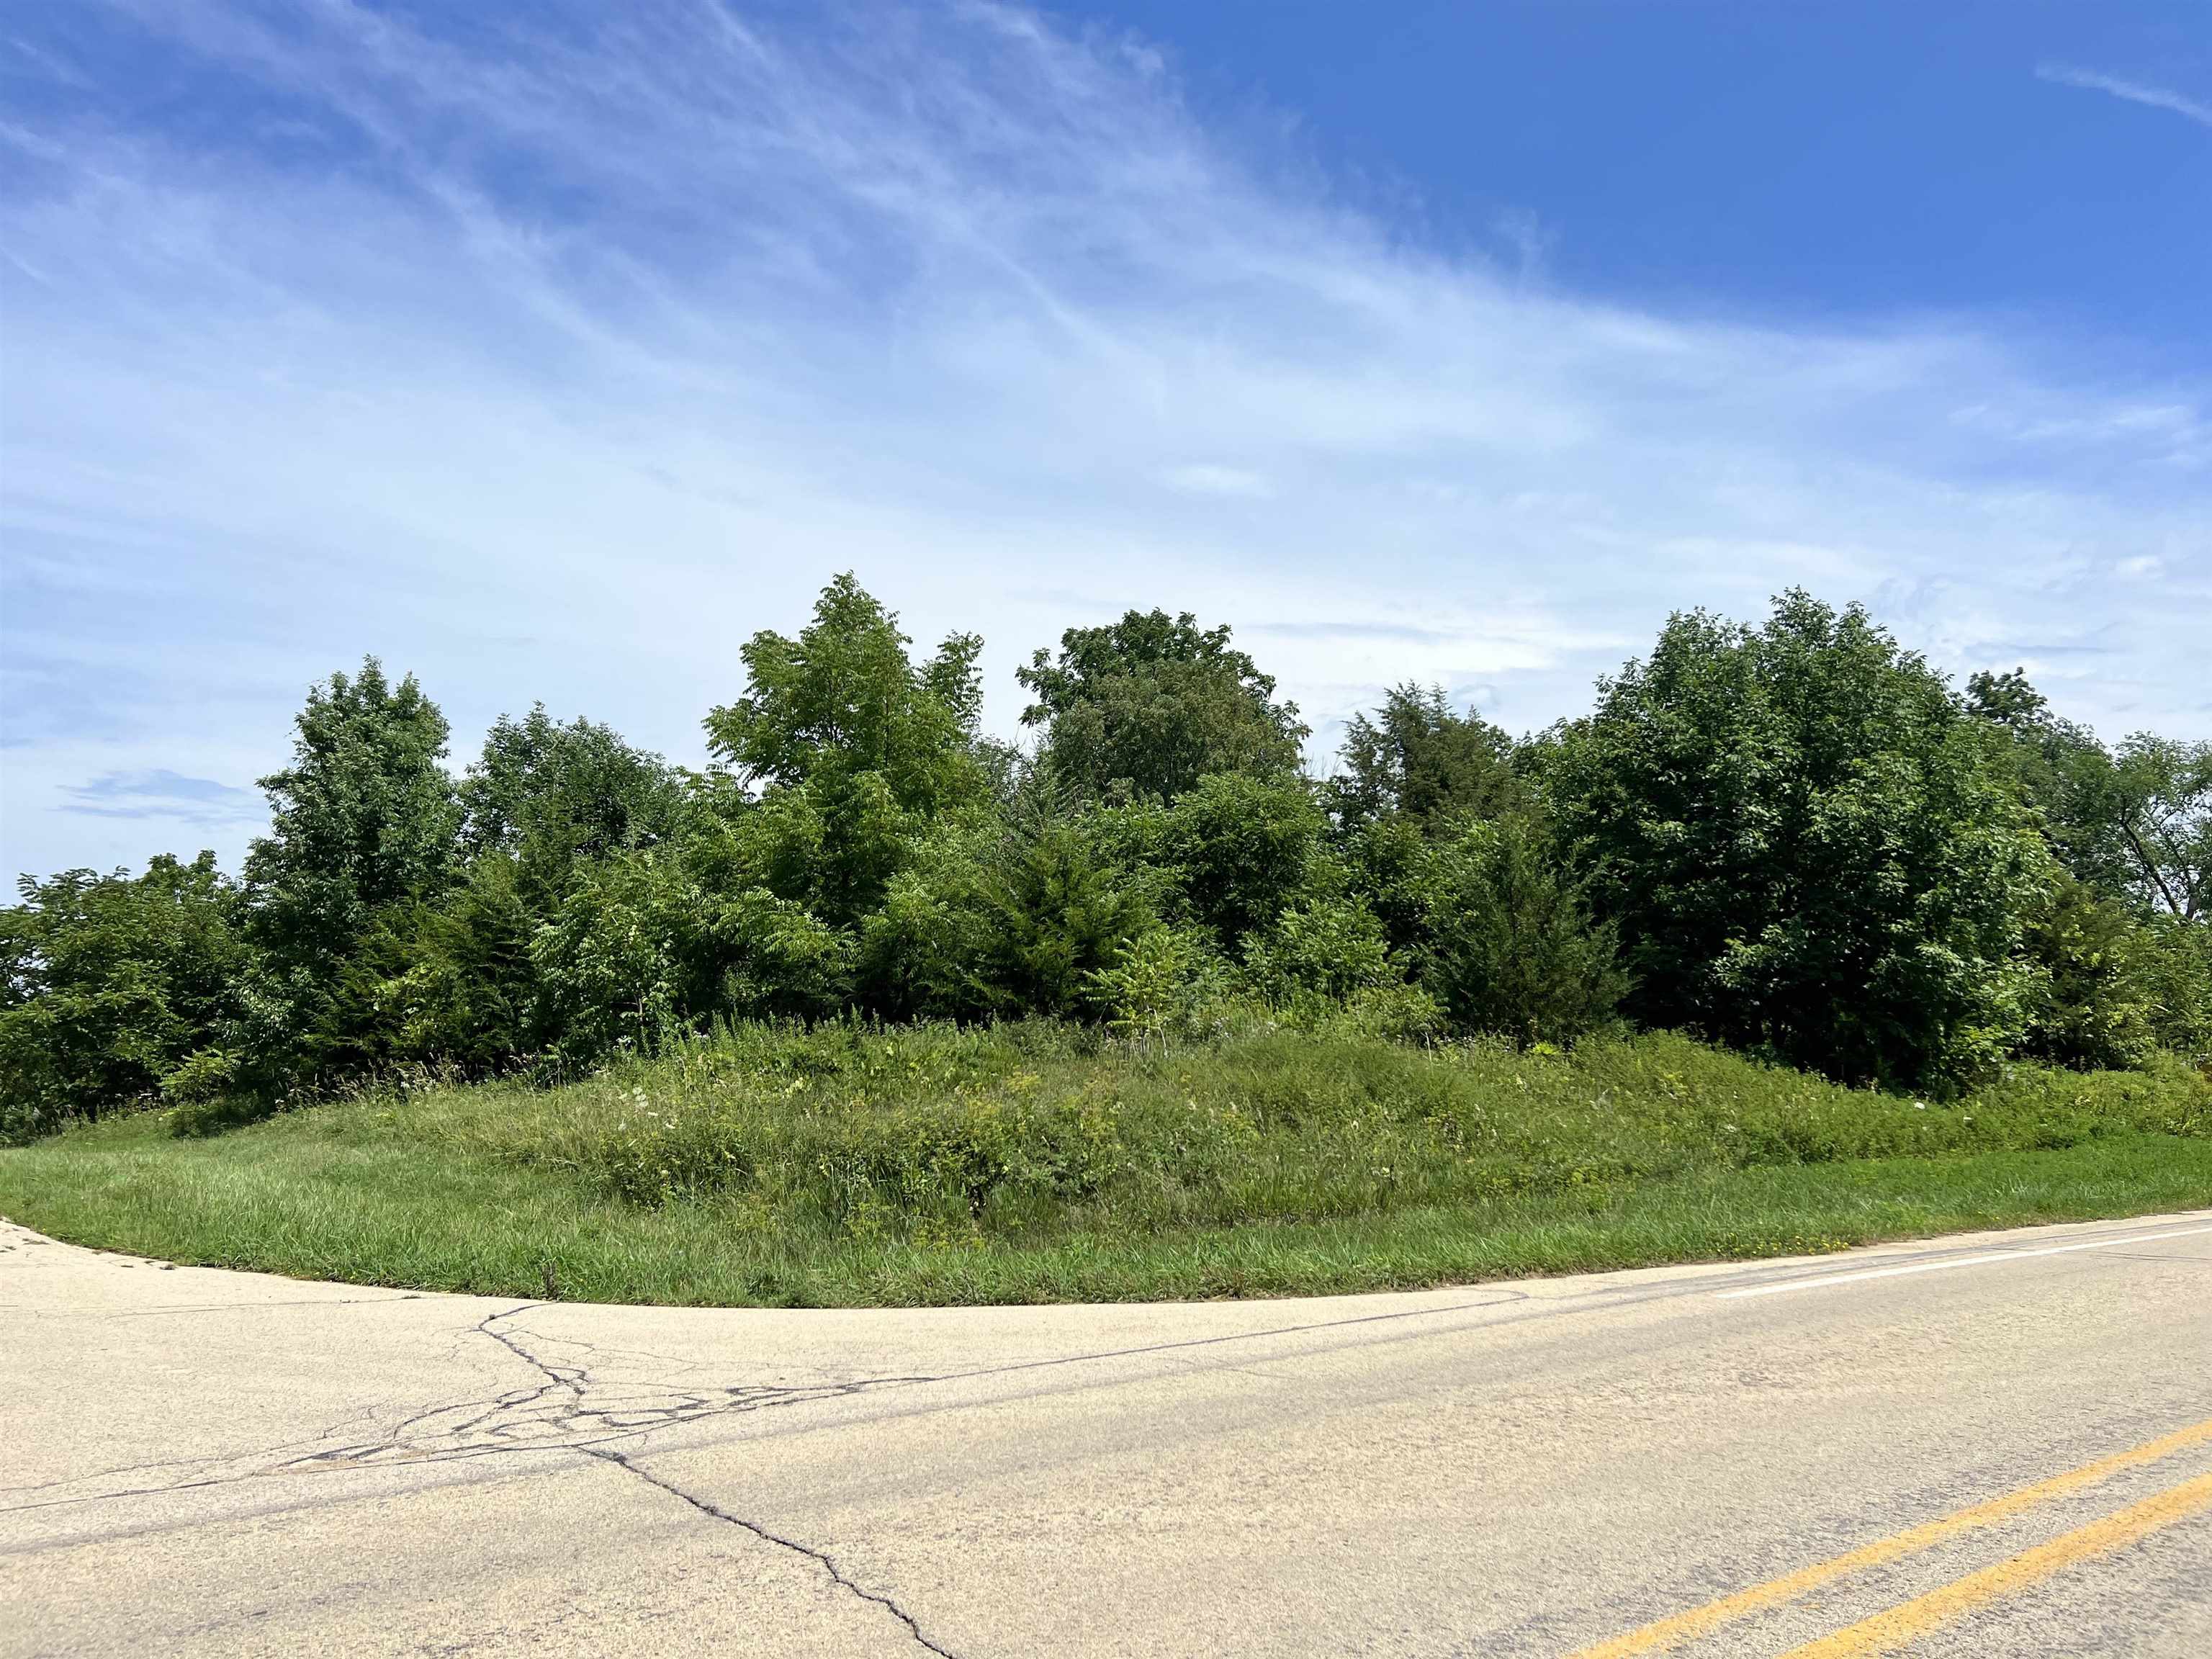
x=1986 y=1446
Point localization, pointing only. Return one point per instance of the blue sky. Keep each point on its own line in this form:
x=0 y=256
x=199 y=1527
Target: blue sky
x=548 y=351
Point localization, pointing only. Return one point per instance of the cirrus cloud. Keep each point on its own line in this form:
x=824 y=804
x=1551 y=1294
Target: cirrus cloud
x=551 y=352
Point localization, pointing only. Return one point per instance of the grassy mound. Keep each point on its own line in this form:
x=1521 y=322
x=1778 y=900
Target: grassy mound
x=1037 y=1162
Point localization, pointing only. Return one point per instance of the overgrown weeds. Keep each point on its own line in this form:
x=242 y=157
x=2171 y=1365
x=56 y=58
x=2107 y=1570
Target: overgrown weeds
x=1040 y=1160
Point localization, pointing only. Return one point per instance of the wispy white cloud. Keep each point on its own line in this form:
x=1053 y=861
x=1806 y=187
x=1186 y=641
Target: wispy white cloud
x=2136 y=91
x=553 y=357
x=159 y=793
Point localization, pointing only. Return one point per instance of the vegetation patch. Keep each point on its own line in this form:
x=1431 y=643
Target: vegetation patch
x=854 y=1164
x=1787 y=942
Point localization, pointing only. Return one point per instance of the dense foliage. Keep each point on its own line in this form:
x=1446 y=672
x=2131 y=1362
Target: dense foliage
x=1149 y=705
x=1794 y=838
x=1810 y=845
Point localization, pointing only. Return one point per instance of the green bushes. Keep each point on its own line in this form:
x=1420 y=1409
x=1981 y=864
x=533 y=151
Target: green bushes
x=1809 y=846
x=111 y=987
x=1510 y=948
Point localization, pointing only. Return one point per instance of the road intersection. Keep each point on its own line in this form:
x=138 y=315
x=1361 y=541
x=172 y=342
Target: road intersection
x=1989 y=1445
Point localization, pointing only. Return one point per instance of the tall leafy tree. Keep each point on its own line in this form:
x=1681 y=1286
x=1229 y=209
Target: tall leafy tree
x=550 y=795
x=2135 y=824
x=2065 y=777
x=1150 y=704
x=363 y=826
x=850 y=747
x=1418 y=756
x=2162 y=802
x=1809 y=844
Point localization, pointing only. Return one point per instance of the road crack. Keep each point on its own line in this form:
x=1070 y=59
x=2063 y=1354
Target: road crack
x=820 y=1558
x=572 y=1381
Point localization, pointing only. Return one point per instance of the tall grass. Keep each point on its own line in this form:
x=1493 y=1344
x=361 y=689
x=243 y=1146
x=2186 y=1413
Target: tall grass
x=1026 y=1131
x=935 y=1162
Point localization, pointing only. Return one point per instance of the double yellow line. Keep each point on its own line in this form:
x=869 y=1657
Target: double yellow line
x=1895 y=1626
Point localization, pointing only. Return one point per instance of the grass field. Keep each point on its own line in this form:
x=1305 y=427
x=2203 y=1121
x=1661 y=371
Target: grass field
x=850 y=1166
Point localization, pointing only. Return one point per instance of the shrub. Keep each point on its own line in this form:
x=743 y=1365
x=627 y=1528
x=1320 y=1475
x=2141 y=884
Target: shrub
x=1511 y=950
x=109 y=983
x=1165 y=981
x=2088 y=1007
x=1323 y=950
x=1226 y=857
x=1809 y=846
x=2175 y=967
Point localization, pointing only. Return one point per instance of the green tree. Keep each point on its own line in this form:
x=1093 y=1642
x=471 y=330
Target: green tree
x=922 y=954
x=1228 y=855
x=2136 y=823
x=2066 y=777
x=363 y=826
x=641 y=950
x=2174 y=969
x=2162 y=802
x=463 y=988
x=2090 y=1008
x=1809 y=846
x=1055 y=916
x=850 y=748
x=1149 y=705
x=1509 y=948
x=1003 y=917
x=1321 y=950
x=1415 y=755
x=110 y=984
x=550 y=795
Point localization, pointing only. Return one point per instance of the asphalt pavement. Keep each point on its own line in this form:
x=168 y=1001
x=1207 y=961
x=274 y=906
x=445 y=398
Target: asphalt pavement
x=1992 y=1445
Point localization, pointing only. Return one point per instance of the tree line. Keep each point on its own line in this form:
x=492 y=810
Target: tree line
x=1794 y=838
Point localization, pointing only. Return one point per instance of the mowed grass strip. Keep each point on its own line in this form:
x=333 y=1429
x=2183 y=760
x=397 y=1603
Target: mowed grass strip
x=851 y=1166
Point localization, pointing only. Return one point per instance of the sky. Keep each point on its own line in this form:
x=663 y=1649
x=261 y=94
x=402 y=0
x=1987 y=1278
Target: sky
x=548 y=350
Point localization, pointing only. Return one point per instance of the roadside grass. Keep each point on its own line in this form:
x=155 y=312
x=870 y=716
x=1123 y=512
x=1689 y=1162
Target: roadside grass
x=1037 y=1162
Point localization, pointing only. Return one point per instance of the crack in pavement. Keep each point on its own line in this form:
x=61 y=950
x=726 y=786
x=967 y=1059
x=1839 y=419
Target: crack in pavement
x=573 y=1380
x=569 y=1410
x=570 y=1407
x=821 y=1558
x=573 y=1409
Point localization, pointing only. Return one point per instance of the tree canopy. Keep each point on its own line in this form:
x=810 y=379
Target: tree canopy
x=1810 y=847
x=1415 y=754
x=1150 y=704
x=1792 y=836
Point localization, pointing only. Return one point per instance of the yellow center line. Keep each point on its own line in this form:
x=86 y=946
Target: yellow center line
x=1683 y=1626
x=1887 y=1631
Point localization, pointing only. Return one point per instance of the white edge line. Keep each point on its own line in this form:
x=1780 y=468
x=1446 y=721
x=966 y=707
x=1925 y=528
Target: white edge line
x=1864 y=1273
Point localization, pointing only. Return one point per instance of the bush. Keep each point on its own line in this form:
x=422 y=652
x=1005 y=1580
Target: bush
x=1809 y=846
x=1165 y=981
x=1511 y=950
x=1322 y=950
x=2174 y=963
x=1228 y=856
x=1793 y=839
x=2089 y=1007
x=109 y=983
x=642 y=952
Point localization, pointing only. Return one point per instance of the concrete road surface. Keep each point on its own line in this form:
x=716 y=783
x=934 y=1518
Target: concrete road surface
x=1994 y=1445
